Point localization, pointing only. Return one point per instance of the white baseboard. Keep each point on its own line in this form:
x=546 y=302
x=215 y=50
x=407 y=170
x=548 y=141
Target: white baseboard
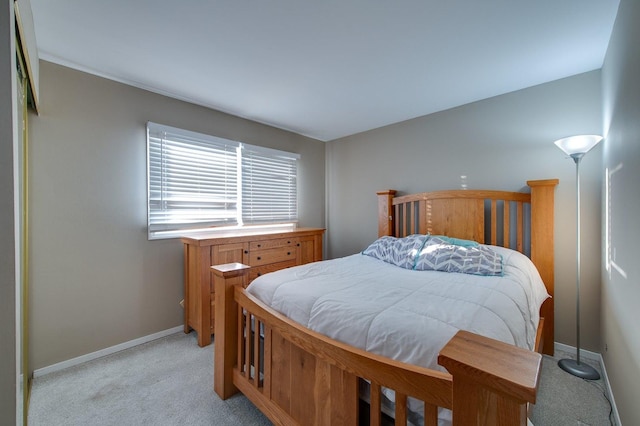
x=104 y=352
x=605 y=378
x=594 y=356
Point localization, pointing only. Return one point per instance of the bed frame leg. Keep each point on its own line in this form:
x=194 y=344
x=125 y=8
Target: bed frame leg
x=542 y=210
x=492 y=381
x=225 y=278
x=386 y=221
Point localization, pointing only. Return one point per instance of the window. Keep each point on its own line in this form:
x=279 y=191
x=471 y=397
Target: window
x=199 y=181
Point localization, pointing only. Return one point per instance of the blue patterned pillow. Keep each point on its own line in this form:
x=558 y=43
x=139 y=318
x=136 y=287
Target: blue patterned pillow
x=439 y=255
x=397 y=251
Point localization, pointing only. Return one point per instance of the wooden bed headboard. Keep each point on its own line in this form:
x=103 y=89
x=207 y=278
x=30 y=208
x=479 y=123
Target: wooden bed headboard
x=517 y=220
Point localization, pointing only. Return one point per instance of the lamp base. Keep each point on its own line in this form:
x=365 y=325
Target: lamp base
x=581 y=370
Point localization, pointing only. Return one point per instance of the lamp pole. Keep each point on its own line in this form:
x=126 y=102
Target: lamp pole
x=577 y=158
x=570 y=366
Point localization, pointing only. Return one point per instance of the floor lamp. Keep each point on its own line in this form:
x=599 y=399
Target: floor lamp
x=576 y=147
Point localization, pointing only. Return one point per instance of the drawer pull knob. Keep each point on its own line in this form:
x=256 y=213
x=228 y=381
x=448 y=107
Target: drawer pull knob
x=288 y=242
x=259 y=273
x=259 y=258
x=246 y=252
x=298 y=244
x=288 y=253
x=259 y=245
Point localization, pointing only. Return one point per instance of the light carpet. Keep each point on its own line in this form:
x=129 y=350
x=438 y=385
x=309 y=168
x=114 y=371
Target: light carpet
x=165 y=382
x=564 y=399
x=170 y=382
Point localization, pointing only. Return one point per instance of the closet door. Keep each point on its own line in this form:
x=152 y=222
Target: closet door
x=22 y=249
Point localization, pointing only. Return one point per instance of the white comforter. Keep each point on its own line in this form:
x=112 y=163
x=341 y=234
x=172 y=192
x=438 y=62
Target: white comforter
x=404 y=314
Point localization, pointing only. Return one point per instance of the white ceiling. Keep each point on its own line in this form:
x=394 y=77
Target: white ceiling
x=327 y=68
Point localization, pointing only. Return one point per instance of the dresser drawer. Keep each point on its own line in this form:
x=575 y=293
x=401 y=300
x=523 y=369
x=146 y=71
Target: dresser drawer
x=273 y=255
x=275 y=243
x=256 y=271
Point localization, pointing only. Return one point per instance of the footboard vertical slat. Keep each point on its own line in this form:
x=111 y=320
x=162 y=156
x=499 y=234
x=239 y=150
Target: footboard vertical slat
x=322 y=393
x=345 y=397
x=401 y=409
x=266 y=358
x=375 y=409
x=256 y=352
x=247 y=346
x=241 y=332
x=430 y=415
x=302 y=367
x=280 y=368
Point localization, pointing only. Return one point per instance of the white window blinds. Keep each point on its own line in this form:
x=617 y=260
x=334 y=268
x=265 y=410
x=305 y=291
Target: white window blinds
x=201 y=181
x=269 y=186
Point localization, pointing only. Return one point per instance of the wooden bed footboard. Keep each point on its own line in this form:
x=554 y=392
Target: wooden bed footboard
x=297 y=376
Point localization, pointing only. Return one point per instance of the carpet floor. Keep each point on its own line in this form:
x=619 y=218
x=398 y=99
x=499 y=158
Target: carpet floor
x=170 y=382
x=564 y=399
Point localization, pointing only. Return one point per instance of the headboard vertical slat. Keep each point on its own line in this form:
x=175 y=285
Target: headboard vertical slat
x=494 y=222
x=506 y=240
x=479 y=221
x=422 y=209
x=520 y=225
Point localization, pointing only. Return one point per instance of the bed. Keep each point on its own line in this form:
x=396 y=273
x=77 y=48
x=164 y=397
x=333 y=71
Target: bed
x=299 y=369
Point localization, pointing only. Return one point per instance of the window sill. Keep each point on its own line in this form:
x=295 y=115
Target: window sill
x=237 y=230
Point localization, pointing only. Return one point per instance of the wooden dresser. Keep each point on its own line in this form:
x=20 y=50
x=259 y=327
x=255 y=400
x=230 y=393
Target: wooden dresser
x=263 y=252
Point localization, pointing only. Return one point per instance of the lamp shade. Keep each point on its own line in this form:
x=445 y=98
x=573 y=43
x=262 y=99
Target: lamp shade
x=577 y=146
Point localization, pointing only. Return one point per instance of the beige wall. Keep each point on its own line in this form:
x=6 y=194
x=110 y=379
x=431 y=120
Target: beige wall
x=96 y=281
x=7 y=233
x=620 y=293
x=498 y=143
